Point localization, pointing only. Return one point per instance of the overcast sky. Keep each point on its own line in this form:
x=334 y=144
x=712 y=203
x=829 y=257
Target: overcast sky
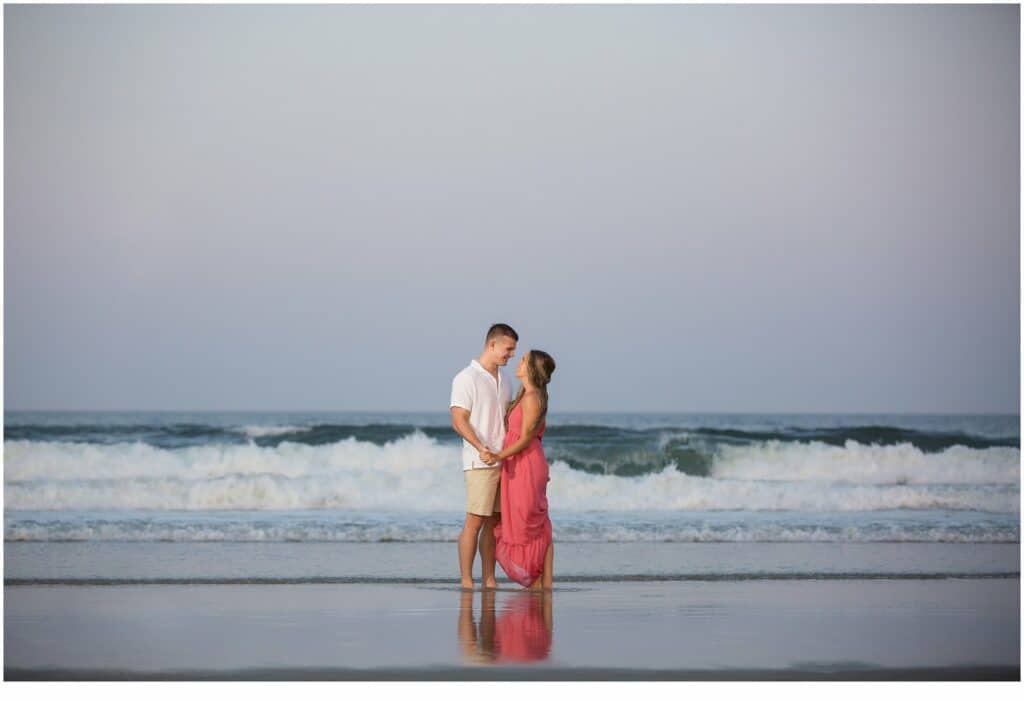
x=692 y=208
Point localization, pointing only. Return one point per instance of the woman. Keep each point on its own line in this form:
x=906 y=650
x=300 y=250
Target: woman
x=522 y=537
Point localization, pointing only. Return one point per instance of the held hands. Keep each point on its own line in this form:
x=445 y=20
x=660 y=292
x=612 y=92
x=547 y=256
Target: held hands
x=489 y=457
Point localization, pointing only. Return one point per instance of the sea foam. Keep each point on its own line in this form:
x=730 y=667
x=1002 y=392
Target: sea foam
x=418 y=473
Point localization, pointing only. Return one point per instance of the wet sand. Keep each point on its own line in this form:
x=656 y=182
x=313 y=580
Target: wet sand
x=767 y=629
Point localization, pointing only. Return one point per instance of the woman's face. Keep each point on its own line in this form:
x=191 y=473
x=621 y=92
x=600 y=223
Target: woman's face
x=521 y=367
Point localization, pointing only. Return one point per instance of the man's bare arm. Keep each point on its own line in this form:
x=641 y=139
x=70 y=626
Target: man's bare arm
x=460 y=422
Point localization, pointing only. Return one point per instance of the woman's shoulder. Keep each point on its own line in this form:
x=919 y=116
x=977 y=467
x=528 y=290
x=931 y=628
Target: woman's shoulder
x=531 y=400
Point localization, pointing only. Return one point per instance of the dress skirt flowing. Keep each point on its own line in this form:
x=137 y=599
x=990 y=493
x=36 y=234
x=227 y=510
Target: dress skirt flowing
x=523 y=533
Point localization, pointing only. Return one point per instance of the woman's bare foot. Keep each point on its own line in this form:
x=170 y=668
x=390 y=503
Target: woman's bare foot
x=467 y=584
x=490 y=584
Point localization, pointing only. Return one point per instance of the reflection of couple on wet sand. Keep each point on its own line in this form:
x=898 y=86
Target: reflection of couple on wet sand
x=521 y=634
x=506 y=486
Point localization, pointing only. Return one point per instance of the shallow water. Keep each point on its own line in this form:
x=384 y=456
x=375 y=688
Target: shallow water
x=649 y=627
x=425 y=562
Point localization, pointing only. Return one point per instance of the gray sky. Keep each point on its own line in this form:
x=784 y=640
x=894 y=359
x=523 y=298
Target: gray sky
x=692 y=208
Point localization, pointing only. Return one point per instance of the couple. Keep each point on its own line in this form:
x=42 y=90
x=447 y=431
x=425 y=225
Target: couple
x=503 y=462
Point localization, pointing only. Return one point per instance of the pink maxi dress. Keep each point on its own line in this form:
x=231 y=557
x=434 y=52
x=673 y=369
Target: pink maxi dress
x=522 y=536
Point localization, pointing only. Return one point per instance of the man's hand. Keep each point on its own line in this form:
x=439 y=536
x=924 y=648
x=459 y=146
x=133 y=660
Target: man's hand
x=488 y=457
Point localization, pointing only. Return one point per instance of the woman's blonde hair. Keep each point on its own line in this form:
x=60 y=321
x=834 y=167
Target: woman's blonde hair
x=539 y=367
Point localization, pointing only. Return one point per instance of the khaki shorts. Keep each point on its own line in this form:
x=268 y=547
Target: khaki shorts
x=483 y=490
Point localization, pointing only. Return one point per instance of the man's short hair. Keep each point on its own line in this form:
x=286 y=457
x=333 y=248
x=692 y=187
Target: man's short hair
x=499 y=330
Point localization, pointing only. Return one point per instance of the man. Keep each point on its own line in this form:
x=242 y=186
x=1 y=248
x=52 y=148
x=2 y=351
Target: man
x=480 y=395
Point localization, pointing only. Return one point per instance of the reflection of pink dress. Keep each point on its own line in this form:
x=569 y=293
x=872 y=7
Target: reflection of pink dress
x=522 y=536
x=520 y=634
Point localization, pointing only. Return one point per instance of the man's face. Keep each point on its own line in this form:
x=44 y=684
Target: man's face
x=503 y=347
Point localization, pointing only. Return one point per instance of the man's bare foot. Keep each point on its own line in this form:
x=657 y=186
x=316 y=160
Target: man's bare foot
x=491 y=584
x=467 y=584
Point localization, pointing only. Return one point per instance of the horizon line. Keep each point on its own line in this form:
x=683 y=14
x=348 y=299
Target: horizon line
x=561 y=411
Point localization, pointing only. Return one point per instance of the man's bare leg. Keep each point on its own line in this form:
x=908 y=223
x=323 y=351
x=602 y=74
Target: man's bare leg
x=467 y=547
x=487 y=552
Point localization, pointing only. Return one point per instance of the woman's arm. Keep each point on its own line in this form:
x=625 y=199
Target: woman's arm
x=531 y=423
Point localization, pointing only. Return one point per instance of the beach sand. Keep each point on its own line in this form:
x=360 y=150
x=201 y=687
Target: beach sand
x=763 y=629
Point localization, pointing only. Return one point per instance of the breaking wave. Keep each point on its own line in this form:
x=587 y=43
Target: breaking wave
x=420 y=473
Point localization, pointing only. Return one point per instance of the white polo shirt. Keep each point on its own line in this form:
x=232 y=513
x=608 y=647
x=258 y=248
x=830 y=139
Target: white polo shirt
x=476 y=389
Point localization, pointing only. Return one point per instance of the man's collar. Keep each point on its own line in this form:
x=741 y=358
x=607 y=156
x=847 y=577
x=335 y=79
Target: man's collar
x=476 y=364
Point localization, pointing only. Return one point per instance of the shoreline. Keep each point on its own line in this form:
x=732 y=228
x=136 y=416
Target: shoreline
x=508 y=585
x=977 y=673
x=955 y=628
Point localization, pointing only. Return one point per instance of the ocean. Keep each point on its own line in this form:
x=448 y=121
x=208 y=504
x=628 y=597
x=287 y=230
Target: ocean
x=113 y=482
x=323 y=546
